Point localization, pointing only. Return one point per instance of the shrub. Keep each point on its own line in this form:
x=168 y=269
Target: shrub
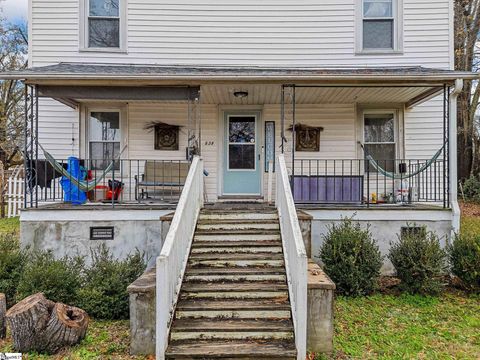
x=58 y=279
x=464 y=256
x=104 y=295
x=12 y=262
x=471 y=189
x=419 y=261
x=351 y=258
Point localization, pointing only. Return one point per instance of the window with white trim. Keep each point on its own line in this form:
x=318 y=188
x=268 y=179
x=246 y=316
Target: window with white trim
x=380 y=139
x=103 y=25
x=104 y=138
x=380 y=25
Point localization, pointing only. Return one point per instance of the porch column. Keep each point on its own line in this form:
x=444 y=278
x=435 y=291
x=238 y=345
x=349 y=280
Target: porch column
x=452 y=152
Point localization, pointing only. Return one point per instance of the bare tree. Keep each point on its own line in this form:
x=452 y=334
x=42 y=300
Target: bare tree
x=13 y=56
x=467 y=26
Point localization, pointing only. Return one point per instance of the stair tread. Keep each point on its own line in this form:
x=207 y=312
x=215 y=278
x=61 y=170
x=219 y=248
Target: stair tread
x=231 y=325
x=236 y=256
x=237 y=231
x=242 y=221
x=233 y=286
x=235 y=271
x=240 y=243
x=233 y=349
x=277 y=304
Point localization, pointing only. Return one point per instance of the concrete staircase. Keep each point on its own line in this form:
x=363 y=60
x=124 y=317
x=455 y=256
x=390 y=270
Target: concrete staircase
x=234 y=300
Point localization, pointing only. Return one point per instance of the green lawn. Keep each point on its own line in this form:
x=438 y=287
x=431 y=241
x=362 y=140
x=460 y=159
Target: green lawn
x=408 y=327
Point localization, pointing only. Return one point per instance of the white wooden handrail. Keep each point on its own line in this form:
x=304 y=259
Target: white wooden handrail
x=172 y=261
x=296 y=261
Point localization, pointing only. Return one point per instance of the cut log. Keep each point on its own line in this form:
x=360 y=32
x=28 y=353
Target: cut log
x=67 y=326
x=3 y=311
x=38 y=324
x=27 y=320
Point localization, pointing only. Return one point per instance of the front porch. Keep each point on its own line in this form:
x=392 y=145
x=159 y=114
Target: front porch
x=325 y=132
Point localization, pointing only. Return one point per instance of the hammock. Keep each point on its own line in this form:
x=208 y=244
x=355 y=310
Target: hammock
x=82 y=185
x=401 y=176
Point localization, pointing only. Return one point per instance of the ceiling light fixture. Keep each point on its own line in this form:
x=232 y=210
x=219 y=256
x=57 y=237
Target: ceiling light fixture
x=240 y=94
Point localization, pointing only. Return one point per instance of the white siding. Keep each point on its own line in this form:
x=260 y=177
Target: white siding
x=58 y=130
x=286 y=32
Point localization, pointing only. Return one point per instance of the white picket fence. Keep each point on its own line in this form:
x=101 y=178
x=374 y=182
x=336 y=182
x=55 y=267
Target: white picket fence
x=15 y=192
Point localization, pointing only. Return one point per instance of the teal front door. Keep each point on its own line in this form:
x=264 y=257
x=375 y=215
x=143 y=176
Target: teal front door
x=241 y=163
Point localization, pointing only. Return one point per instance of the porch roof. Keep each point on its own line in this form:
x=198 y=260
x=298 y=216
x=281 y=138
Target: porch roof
x=82 y=73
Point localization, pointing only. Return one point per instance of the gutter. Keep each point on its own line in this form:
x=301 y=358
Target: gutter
x=402 y=78
x=452 y=153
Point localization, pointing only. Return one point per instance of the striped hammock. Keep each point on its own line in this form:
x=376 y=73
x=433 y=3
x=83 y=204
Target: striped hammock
x=394 y=176
x=80 y=184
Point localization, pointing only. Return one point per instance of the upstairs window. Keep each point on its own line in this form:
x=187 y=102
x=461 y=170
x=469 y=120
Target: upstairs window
x=104 y=25
x=381 y=25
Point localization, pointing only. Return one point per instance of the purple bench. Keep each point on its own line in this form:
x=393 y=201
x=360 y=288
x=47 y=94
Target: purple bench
x=328 y=189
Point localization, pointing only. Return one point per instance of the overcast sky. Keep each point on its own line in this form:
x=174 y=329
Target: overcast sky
x=15 y=9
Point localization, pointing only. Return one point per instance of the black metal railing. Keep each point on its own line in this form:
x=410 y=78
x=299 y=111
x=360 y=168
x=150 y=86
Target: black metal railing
x=357 y=181
x=127 y=181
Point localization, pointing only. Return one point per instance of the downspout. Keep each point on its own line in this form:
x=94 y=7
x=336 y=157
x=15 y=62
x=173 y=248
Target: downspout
x=452 y=153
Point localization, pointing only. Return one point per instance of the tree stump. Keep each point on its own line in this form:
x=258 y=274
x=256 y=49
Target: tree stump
x=38 y=324
x=3 y=311
x=67 y=326
x=27 y=319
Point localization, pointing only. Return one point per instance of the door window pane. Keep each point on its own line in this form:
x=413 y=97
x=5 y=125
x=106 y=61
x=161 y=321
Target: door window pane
x=104 y=33
x=104 y=8
x=242 y=130
x=105 y=126
x=102 y=154
x=241 y=157
x=379 y=128
x=378 y=34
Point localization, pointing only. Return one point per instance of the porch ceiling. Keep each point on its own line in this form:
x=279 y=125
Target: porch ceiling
x=271 y=94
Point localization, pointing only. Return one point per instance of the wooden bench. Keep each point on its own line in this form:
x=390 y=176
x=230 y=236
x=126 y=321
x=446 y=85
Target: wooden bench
x=161 y=177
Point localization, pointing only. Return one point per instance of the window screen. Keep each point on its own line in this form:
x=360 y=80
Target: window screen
x=378 y=24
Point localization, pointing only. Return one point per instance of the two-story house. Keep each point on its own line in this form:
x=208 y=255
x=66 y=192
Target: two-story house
x=338 y=108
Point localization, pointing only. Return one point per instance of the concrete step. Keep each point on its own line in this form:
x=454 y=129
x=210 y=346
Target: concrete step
x=215 y=236
x=234 y=278
x=237 y=250
x=236 y=349
x=234 y=263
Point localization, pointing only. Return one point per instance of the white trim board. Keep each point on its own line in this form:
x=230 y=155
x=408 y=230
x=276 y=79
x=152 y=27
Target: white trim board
x=380 y=215
x=93 y=215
